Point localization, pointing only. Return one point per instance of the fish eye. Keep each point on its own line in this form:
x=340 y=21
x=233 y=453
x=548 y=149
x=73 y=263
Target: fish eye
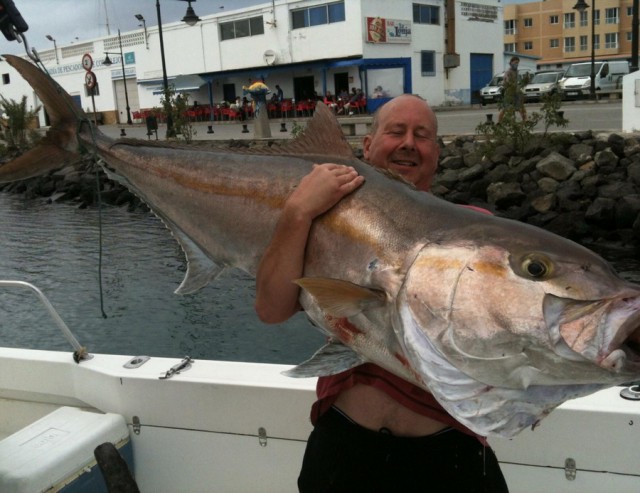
x=536 y=265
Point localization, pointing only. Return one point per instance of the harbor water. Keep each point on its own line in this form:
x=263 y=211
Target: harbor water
x=57 y=248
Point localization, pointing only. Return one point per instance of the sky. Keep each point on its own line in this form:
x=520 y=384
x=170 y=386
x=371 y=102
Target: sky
x=73 y=21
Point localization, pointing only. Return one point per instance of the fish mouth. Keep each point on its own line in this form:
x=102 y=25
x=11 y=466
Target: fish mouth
x=624 y=348
x=606 y=332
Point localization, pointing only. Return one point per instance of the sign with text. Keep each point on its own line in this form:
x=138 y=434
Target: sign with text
x=380 y=30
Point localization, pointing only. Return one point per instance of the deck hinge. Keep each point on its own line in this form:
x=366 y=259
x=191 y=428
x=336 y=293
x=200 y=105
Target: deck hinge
x=570 y=469
x=262 y=436
x=136 y=425
x=184 y=365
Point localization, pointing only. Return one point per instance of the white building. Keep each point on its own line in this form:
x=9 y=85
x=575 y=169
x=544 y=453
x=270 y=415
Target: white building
x=443 y=51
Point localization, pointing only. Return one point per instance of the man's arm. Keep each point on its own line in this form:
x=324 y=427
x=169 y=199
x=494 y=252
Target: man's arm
x=283 y=260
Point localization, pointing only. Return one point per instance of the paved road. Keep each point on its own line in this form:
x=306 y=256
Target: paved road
x=582 y=115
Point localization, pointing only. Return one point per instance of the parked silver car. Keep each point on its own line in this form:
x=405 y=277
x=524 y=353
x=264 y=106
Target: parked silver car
x=492 y=92
x=542 y=83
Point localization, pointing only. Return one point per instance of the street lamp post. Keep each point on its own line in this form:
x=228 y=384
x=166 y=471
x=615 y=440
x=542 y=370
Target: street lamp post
x=165 y=81
x=635 y=27
x=581 y=6
x=55 y=47
x=140 y=17
x=191 y=19
x=107 y=62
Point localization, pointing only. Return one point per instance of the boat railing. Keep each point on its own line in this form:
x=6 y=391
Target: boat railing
x=80 y=352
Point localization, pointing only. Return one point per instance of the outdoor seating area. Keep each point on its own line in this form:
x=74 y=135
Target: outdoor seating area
x=287 y=108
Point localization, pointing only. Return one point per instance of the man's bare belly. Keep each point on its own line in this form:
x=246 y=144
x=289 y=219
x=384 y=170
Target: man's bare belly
x=373 y=409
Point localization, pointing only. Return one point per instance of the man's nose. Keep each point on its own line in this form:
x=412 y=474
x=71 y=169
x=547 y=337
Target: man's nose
x=408 y=141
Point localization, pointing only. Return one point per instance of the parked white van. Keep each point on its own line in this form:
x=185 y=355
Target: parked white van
x=608 y=78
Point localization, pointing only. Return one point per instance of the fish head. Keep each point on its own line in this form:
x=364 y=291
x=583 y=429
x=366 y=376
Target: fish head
x=512 y=313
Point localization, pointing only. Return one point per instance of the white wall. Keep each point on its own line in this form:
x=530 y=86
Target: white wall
x=197 y=49
x=631 y=102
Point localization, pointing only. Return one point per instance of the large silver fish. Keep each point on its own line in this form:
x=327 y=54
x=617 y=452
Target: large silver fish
x=501 y=321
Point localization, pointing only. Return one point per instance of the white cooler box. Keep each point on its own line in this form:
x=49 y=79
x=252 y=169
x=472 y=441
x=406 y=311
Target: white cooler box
x=55 y=453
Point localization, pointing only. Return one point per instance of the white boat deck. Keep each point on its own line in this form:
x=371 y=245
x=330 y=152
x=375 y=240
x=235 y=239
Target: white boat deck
x=229 y=427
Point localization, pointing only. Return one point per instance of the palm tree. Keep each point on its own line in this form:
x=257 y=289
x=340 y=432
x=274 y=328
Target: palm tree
x=14 y=128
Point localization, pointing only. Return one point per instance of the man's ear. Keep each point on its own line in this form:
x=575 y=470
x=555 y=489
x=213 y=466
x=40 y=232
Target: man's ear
x=366 y=145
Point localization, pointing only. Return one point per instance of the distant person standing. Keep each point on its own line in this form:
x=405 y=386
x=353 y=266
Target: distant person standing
x=279 y=93
x=512 y=99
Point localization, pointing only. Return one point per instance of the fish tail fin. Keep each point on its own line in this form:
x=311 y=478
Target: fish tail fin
x=60 y=146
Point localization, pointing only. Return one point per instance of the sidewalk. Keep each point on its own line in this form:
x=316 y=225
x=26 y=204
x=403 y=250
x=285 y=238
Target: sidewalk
x=221 y=130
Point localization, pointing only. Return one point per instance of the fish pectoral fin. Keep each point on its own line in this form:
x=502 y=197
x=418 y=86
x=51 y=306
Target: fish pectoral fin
x=340 y=298
x=201 y=270
x=330 y=359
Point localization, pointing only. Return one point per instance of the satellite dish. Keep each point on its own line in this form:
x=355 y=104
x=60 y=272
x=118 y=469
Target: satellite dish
x=270 y=57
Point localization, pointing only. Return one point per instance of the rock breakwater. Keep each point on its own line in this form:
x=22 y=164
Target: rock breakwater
x=584 y=186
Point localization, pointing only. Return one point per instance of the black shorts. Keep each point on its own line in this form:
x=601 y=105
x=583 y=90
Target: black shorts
x=342 y=456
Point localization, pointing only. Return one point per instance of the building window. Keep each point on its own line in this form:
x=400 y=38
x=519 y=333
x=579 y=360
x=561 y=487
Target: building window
x=528 y=22
x=629 y=11
x=611 y=40
x=596 y=42
x=318 y=15
x=569 y=20
x=528 y=45
x=584 y=18
x=611 y=15
x=583 y=43
x=428 y=63
x=553 y=19
x=596 y=18
x=510 y=47
x=569 y=44
x=426 y=14
x=241 y=28
x=554 y=43
x=510 y=27
x=629 y=36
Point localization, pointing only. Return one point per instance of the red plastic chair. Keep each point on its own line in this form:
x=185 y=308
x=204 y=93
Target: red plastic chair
x=286 y=107
x=305 y=107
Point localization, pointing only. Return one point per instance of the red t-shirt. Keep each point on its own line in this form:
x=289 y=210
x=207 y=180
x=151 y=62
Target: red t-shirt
x=410 y=396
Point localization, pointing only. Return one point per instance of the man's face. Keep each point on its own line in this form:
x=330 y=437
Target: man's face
x=405 y=141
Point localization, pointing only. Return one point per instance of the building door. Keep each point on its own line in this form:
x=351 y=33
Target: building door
x=340 y=82
x=303 y=88
x=481 y=73
x=229 y=92
x=121 y=99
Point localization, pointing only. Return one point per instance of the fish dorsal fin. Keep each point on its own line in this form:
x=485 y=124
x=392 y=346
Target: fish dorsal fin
x=322 y=135
x=340 y=298
x=322 y=138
